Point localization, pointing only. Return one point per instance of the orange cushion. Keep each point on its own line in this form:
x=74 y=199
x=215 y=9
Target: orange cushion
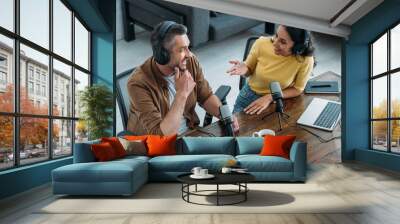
x=161 y=145
x=116 y=145
x=277 y=145
x=103 y=151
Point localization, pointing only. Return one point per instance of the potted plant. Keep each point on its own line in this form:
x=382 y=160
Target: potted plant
x=96 y=102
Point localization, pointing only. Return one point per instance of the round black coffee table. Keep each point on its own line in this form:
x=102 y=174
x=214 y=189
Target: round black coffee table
x=238 y=179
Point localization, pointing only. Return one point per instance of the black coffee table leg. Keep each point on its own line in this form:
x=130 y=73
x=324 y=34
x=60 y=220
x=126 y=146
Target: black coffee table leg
x=188 y=190
x=245 y=194
x=185 y=192
x=185 y=188
x=217 y=194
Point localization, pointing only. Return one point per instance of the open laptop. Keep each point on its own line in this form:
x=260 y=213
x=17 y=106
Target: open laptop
x=322 y=114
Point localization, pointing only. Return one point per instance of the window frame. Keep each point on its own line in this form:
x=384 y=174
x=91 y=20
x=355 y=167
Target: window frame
x=3 y=77
x=388 y=74
x=16 y=114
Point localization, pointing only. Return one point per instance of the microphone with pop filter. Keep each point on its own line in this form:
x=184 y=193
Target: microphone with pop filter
x=226 y=118
x=277 y=95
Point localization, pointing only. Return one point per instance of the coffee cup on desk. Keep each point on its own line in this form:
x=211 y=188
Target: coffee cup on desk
x=263 y=132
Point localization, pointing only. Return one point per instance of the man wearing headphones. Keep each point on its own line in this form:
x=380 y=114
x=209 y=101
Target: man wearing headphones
x=286 y=58
x=164 y=90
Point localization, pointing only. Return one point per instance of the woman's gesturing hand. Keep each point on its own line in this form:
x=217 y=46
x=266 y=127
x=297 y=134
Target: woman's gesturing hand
x=259 y=105
x=238 y=68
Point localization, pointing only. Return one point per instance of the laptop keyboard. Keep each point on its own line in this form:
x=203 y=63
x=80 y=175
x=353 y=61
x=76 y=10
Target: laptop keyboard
x=328 y=116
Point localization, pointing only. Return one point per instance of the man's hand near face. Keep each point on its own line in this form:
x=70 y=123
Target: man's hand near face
x=184 y=83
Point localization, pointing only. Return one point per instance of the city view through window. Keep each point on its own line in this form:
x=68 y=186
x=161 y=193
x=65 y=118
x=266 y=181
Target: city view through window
x=39 y=114
x=385 y=82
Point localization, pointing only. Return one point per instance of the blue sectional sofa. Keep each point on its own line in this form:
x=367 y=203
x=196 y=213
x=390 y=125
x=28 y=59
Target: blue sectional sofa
x=125 y=176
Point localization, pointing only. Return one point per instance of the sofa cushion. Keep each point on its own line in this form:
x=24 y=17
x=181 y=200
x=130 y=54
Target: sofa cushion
x=132 y=158
x=116 y=145
x=277 y=145
x=135 y=147
x=257 y=163
x=118 y=177
x=103 y=152
x=249 y=145
x=207 y=145
x=161 y=145
x=185 y=163
x=118 y=171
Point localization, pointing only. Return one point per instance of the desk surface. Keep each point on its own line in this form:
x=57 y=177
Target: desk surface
x=316 y=151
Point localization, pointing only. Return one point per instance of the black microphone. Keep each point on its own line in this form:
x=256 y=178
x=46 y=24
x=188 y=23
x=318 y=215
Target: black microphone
x=226 y=118
x=277 y=95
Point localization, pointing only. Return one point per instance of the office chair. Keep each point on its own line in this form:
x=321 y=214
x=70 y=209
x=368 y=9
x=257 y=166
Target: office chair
x=124 y=102
x=249 y=44
x=123 y=95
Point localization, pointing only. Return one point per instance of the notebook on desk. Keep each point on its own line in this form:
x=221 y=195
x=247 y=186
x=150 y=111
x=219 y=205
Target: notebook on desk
x=322 y=114
x=322 y=87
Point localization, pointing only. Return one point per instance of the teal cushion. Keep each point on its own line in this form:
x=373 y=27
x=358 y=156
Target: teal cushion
x=185 y=163
x=118 y=177
x=133 y=158
x=249 y=145
x=257 y=163
x=208 y=145
x=111 y=171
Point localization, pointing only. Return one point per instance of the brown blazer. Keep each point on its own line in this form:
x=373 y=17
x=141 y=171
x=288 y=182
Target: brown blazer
x=149 y=99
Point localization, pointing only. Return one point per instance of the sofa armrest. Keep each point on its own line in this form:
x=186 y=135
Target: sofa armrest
x=83 y=152
x=298 y=155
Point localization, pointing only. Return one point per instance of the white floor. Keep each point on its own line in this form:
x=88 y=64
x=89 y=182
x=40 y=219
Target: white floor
x=214 y=57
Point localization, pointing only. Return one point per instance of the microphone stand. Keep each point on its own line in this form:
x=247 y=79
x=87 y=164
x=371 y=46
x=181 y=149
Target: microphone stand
x=281 y=115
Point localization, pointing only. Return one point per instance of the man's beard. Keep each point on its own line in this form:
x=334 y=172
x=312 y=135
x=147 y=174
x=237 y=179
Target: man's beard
x=182 y=65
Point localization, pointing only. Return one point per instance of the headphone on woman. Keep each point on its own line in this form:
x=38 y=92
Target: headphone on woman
x=160 y=54
x=300 y=47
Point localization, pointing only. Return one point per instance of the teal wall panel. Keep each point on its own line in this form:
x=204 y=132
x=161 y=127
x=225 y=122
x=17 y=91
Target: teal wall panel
x=24 y=178
x=379 y=159
x=355 y=68
x=102 y=58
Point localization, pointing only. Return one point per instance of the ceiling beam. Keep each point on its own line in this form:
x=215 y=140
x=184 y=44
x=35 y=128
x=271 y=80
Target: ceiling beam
x=346 y=12
x=269 y=15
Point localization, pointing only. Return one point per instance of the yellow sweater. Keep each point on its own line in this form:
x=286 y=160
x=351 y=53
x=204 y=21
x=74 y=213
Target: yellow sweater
x=265 y=66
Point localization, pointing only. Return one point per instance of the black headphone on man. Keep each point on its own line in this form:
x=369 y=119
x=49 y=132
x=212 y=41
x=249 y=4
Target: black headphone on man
x=300 y=47
x=161 y=55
